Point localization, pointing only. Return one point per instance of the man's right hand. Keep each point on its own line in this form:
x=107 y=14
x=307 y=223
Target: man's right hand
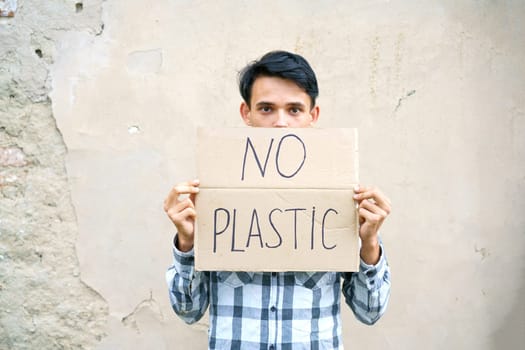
x=181 y=212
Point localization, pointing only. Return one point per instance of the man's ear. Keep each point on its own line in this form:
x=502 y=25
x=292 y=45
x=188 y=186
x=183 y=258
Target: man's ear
x=245 y=113
x=314 y=113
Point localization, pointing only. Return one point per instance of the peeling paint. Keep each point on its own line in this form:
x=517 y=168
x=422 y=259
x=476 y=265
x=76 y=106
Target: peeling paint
x=133 y=129
x=12 y=156
x=8 y=8
x=79 y=7
x=39 y=226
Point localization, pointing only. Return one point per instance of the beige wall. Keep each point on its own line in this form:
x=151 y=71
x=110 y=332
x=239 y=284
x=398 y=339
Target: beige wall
x=436 y=90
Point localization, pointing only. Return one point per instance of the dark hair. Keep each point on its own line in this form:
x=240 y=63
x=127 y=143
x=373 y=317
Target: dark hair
x=282 y=64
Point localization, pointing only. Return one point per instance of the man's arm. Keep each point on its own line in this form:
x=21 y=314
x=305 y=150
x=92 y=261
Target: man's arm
x=367 y=291
x=188 y=289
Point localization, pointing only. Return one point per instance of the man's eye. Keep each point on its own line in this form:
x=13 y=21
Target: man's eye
x=294 y=110
x=266 y=109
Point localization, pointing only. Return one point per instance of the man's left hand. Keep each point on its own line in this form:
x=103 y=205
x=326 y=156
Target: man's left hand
x=374 y=207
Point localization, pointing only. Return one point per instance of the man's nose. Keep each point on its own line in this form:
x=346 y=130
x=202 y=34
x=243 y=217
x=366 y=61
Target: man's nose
x=281 y=121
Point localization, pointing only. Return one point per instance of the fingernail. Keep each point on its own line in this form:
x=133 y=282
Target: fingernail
x=356 y=188
x=356 y=196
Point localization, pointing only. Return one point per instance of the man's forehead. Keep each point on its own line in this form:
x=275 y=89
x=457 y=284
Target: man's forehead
x=277 y=86
x=275 y=90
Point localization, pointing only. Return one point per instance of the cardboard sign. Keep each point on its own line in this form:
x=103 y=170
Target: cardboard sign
x=277 y=200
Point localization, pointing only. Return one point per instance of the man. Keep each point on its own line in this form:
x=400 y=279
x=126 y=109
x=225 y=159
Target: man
x=270 y=310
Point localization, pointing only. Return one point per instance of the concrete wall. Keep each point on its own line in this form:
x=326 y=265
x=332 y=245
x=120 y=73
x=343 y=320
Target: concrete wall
x=98 y=109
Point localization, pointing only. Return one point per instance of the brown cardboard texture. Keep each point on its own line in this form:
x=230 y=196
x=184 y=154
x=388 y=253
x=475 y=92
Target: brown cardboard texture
x=277 y=200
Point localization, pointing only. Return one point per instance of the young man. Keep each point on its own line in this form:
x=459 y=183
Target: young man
x=283 y=310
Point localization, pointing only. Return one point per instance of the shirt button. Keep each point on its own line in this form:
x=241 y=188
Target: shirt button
x=274 y=274
x=272 y=309
x=272 y=347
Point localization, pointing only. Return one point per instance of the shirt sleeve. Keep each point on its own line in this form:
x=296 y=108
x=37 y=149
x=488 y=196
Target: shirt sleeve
x=188 y=289
x=367 y=291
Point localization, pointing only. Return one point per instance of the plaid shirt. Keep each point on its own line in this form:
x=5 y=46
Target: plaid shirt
x=276 y=310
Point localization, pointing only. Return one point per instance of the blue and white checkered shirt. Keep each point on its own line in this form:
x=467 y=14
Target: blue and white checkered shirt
x=276 y=310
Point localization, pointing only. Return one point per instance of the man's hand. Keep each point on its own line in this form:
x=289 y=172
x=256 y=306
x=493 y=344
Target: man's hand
x=182 y=212
x=374 y=207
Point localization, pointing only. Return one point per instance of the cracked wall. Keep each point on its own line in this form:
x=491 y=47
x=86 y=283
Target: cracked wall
x=44 y=304
x=113 y=91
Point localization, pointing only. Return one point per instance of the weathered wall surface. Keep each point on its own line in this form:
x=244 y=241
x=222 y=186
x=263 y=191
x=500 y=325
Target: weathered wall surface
x=436 y=90
x=43 y=302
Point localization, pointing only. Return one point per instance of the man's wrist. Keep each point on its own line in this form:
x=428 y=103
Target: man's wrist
x=183 y=245
x=370 y=251
x=370 y=242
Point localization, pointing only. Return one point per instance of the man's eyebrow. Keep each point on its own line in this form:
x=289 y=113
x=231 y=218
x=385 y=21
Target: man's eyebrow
x=296 y=104
x=264 y=103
